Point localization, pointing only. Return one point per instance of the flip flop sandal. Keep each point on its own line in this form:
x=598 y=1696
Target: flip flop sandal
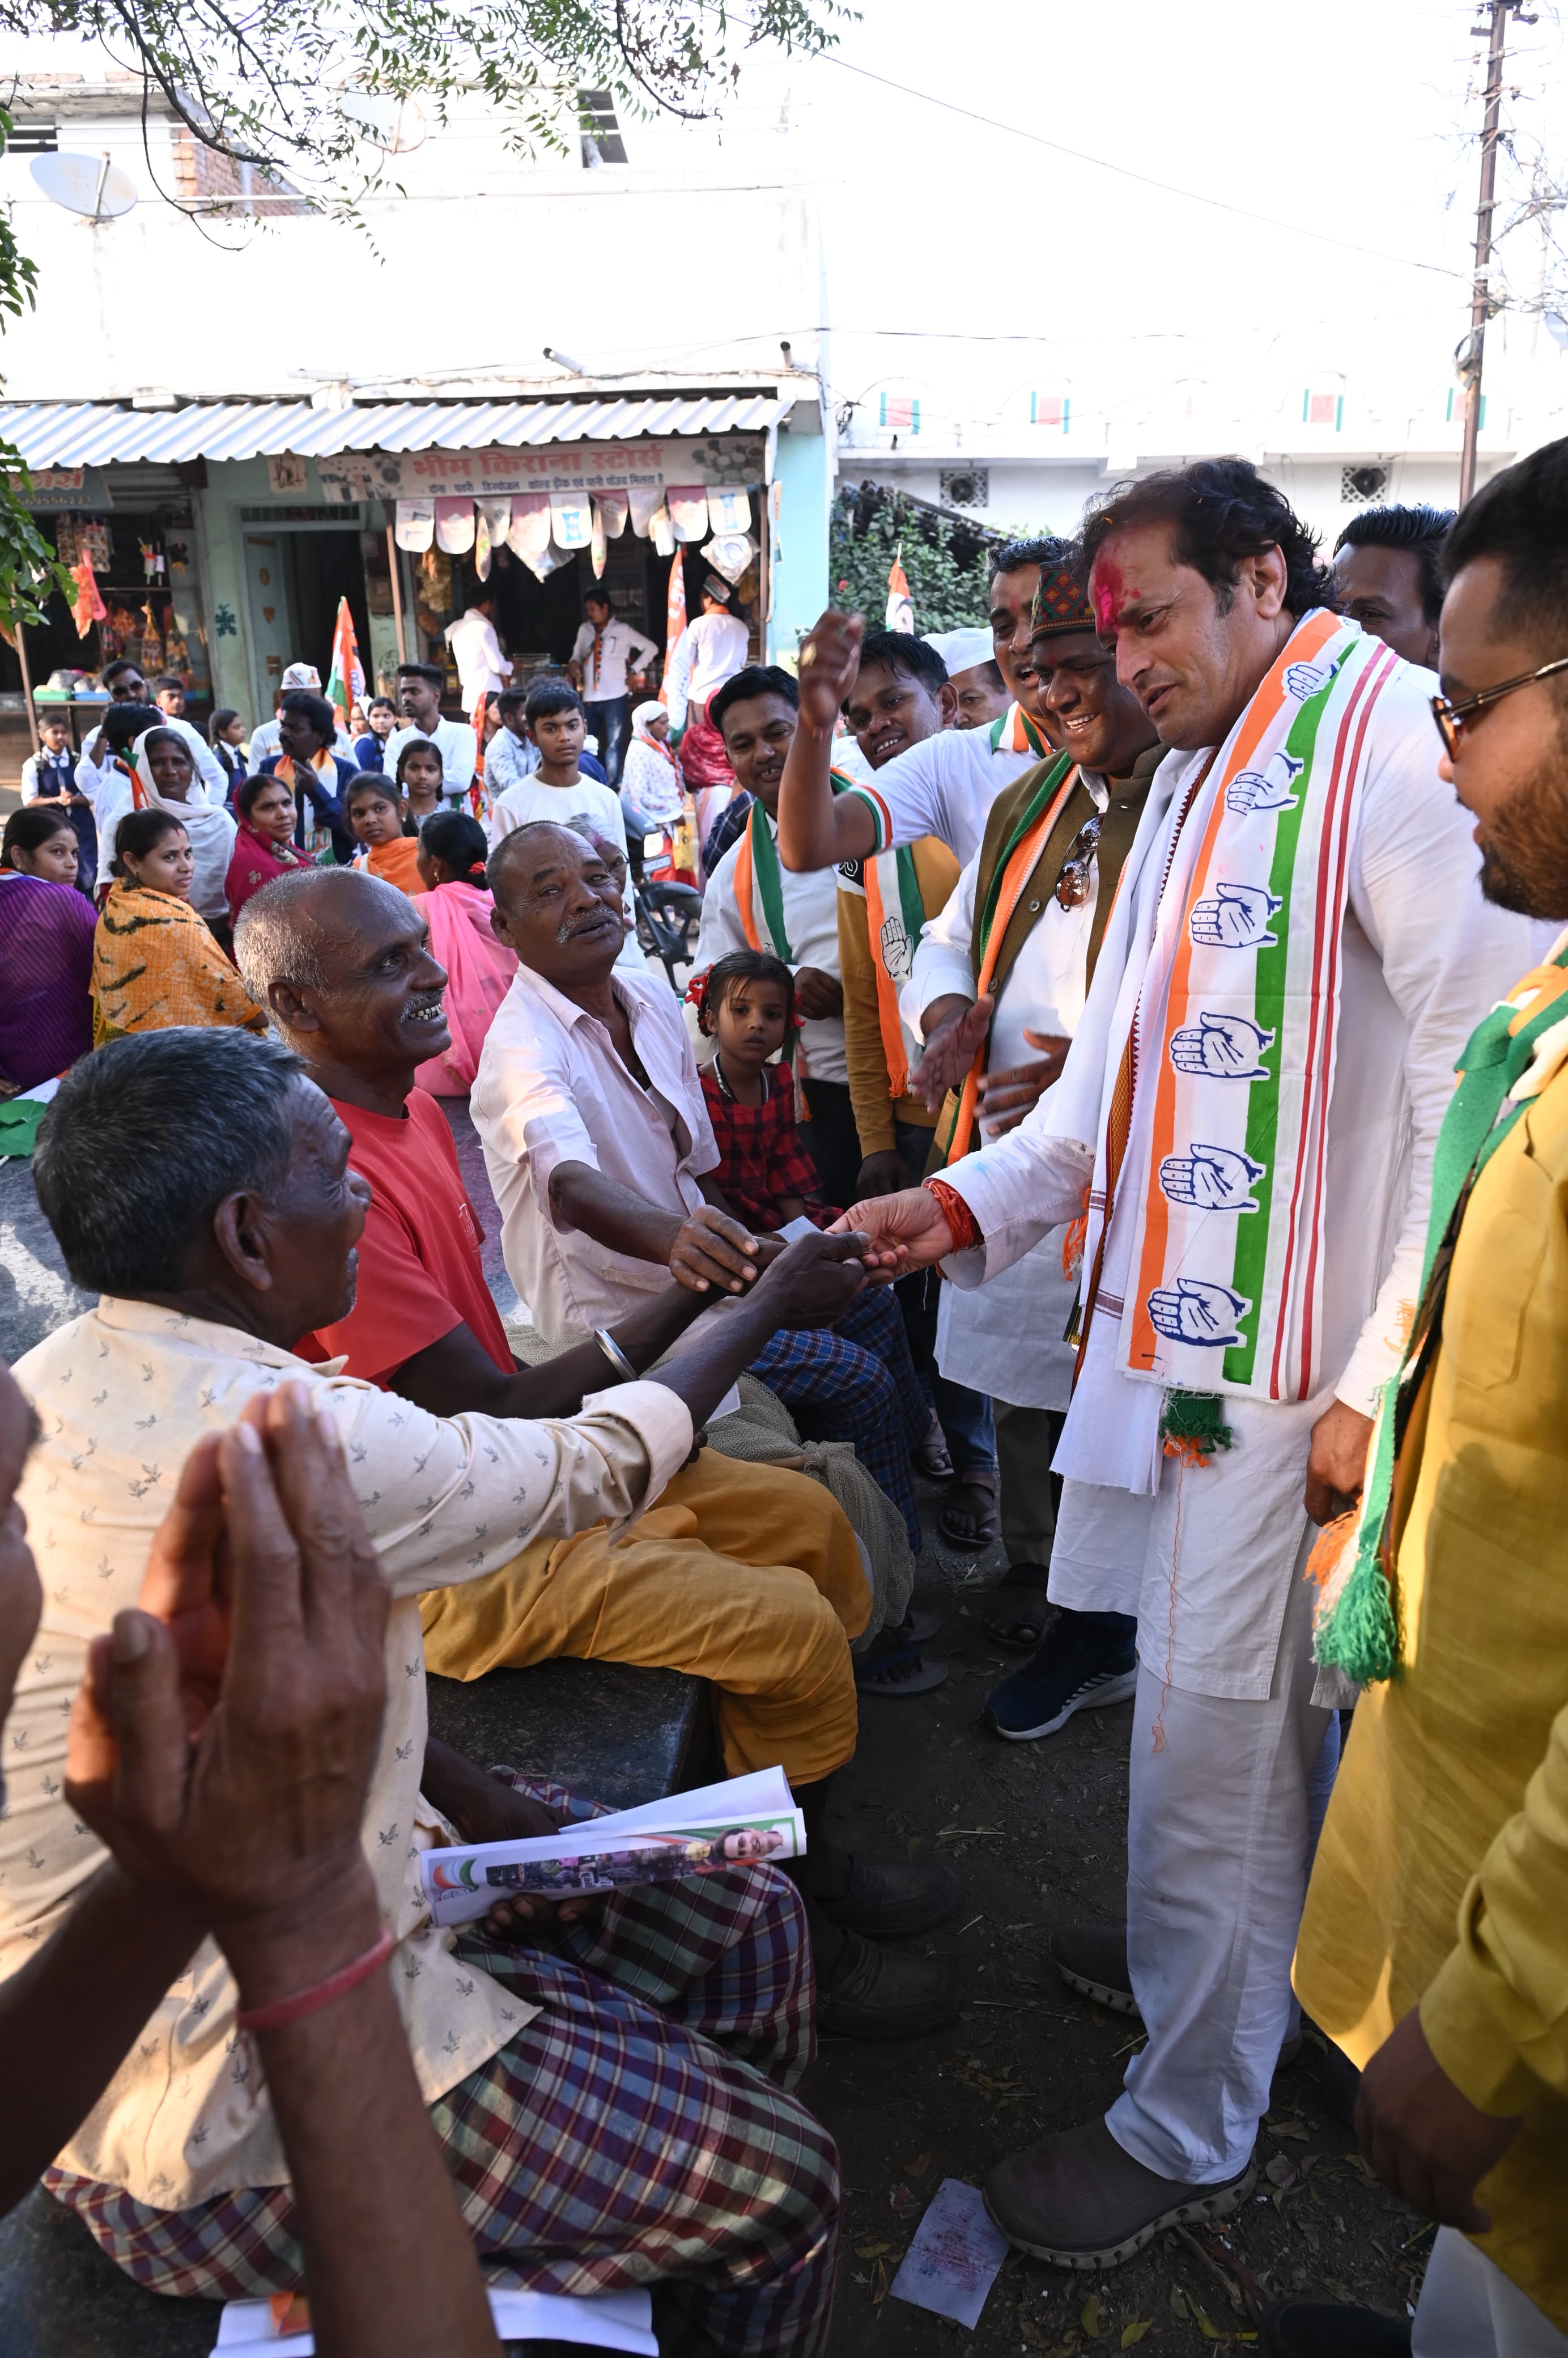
x=983 y=1527
x=933 y=1458
x=927 y=1675
x=1018 y=1627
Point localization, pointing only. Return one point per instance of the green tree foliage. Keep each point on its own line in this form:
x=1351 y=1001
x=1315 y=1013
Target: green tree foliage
x=27 y=569
x=946 y=558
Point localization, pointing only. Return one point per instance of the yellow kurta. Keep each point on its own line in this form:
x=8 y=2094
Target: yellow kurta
x=1441 y=1877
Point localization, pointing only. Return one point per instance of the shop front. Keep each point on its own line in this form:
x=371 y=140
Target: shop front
x=271 y=512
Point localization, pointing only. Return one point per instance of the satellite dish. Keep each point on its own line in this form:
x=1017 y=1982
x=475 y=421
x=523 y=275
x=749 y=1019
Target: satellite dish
x=392 y=124
x=85 y=184
x=1556 y=327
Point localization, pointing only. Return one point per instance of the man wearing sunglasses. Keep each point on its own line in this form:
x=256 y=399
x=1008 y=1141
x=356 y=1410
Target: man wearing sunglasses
x=1046 y=896
x=1434 y=1944
x=1246 y=1122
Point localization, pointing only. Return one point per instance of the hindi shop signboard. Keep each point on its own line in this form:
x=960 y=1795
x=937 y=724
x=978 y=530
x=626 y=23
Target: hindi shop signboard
x=582 y=467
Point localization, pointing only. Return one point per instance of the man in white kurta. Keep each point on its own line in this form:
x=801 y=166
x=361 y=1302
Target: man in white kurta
x=1228 y=1727
x=1010 y=1335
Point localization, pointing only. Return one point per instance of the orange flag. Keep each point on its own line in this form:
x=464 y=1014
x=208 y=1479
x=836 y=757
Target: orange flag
x=674 y=620
x=346 y=680
x=901 y=605
x=86 y=605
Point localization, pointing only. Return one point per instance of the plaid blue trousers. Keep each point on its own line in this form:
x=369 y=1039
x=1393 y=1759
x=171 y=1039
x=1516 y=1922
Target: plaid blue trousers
x=855 y=1383
x=638 y=2131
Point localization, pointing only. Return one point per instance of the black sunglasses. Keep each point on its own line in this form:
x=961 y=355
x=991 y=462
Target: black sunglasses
x=1450 y=713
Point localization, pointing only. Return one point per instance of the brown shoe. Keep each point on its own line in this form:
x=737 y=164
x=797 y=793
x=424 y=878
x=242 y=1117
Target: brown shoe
x=1092 y=1958
x=1079 y=2199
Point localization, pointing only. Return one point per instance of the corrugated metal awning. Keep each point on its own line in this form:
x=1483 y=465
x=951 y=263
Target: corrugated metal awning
x=103 y=434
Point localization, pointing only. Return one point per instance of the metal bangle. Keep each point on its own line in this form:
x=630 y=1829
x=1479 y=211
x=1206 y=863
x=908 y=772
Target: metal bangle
x=616 y=1356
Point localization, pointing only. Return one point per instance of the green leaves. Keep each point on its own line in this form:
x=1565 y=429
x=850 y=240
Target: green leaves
x=261 y=84
x=945 y=560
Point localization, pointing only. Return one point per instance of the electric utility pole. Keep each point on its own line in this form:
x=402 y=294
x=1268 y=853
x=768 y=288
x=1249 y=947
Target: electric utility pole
x=1471 y=354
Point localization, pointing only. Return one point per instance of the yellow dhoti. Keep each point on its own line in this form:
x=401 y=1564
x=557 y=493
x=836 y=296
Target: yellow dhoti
x=746 y=1575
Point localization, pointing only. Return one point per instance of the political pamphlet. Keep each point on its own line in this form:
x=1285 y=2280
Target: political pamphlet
x=744 y=1822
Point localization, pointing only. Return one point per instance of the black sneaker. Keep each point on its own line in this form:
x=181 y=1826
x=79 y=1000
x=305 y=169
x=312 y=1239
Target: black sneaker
x=1062 y=1675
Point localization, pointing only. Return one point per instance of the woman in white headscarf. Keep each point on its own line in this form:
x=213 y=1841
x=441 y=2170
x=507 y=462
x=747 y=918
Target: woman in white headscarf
x=651 y=785
x=166 y=779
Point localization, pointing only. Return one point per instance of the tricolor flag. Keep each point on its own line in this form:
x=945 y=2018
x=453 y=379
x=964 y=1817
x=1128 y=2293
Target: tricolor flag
x=674 y=620
x=901 y=605
x=86 y=605
x=346 y=680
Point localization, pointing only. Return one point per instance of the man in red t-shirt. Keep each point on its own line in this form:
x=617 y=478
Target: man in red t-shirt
x=744 y=1575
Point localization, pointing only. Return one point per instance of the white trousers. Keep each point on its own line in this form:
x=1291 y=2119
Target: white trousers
x=1468 y=2308
x=1222 y=1822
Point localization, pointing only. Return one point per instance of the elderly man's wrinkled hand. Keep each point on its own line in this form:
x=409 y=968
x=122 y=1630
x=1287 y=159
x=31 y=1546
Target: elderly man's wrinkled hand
x=814 y=1280
x=713 y=1253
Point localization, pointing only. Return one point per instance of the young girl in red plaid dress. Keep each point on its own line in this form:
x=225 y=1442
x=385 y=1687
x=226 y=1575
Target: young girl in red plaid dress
x=746 y=1004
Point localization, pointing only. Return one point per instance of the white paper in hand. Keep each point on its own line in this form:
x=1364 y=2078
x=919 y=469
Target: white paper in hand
x=951 y=2264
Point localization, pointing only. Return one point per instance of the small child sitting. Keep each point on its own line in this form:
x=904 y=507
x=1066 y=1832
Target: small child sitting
x=376 y=813
x=746 y=1002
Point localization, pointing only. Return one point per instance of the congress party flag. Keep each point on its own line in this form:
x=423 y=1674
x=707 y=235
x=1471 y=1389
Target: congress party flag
x=674 y=620
x=901 y=605
x=346 y=682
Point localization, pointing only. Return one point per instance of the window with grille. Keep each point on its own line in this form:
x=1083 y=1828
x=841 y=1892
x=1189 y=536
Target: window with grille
x=601 y=128
x=965 y=487
x=33 y=139
x=1357 y=485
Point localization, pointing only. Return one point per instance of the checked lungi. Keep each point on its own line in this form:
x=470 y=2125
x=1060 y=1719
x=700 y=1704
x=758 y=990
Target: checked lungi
x=856 y=1381
x=627 y=2136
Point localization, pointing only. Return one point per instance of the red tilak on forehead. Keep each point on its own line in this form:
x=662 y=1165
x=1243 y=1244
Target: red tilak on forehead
x=1108 y=592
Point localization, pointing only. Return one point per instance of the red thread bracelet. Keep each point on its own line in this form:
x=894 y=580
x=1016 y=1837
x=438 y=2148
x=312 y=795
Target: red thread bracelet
x=964 y=1227
x=305 y=2001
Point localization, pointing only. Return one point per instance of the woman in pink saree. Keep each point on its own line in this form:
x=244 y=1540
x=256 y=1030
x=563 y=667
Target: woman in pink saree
x=452 y=853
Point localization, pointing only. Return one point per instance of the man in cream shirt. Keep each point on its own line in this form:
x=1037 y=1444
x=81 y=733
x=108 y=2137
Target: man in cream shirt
x=203 y=1182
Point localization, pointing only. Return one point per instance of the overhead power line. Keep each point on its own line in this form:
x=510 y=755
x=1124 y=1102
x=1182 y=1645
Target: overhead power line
x=1125 y=172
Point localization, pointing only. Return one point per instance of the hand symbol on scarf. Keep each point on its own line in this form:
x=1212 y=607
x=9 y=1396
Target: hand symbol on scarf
x=1225 y=1047
x=1212 y=1179
x=1237 y=918
x=1268 y=789
x=1193 y=1311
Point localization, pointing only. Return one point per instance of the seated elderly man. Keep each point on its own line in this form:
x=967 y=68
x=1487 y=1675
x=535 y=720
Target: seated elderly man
x=600 y=1151
x=748 y=1576
x=597 y=2134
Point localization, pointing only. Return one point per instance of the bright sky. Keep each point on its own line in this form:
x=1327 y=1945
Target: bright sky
x=1353 y=123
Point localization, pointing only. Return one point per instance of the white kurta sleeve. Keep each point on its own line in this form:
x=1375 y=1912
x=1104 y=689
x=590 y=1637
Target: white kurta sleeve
x=678 y=678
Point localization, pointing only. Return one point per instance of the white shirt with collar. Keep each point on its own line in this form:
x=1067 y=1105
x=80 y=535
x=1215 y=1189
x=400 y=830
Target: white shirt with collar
x=483 y=669
x=550 y=1089
x=123 y=1393
x=457 y=745
x=621 y=649
x=811 y=920
x=531 y=799
x=711 y=651
x=1008 y=1337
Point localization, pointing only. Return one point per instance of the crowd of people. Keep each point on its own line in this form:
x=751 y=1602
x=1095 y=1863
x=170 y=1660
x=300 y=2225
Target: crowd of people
x=1062 y=1110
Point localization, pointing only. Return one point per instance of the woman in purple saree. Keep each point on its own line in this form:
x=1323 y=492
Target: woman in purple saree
x=46 y=950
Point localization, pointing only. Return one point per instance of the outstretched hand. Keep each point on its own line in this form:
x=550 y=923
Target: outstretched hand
x=1006 y=1098
x=961 y=1027
x=902 y=1232
x=236 y=1781
x=830 y=660
x=815 y=1278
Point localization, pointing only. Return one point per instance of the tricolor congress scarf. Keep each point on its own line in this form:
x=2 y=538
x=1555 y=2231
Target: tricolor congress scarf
x=1013 y=871
x=1508 y=1057
x=1016 y=733
x=1236 y=1031
x=895 y=917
